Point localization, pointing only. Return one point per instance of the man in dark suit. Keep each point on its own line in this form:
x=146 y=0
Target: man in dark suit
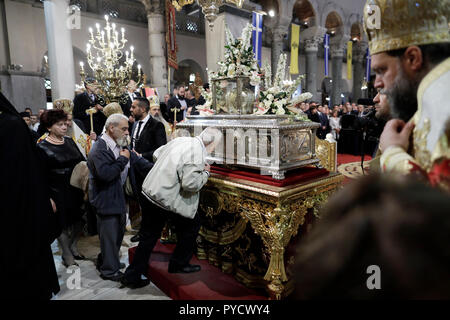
x=128 y=98
x=179 y=103
x=148 y=135
x=87 y=100
x=163 y=107
x=324 y=123
x=201 y=99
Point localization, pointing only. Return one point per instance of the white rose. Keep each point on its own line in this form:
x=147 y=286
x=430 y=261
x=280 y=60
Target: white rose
x=280 y=111
x=267 y=103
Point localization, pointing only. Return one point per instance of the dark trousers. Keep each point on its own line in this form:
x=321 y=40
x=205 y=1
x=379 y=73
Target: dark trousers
x=187 y=231
x=111 y=229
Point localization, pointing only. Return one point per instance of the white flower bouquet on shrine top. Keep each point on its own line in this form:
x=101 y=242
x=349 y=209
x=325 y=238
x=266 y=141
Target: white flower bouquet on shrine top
x=278 y=98
x=239 y=57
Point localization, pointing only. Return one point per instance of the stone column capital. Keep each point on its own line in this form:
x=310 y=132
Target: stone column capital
x=278 y=33
x=312 y=44
x=360 y=50
x=153 y=6
x=337 y=51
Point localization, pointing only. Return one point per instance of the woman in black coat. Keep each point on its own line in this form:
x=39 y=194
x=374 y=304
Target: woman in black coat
x=61 y=155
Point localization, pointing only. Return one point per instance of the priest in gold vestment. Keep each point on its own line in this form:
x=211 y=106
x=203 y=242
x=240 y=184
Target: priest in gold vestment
x=411 y=58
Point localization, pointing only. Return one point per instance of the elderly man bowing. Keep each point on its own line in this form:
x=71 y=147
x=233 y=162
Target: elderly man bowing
x=172 y=190
x=108 y=163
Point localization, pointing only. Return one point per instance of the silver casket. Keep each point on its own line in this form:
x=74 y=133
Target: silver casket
x=274 y=144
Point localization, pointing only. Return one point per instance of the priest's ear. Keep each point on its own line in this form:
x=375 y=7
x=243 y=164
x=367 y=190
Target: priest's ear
x=413 y=61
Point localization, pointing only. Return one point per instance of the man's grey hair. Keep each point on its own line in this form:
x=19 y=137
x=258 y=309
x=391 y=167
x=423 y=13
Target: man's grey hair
x=211 y=135
x=114 y=120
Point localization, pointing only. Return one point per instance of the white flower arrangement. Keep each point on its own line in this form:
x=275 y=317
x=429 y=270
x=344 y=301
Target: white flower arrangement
x=239 y=58
x=277 y=98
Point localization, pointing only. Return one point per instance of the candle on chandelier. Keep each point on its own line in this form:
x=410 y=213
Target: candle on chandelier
x=103 y=36
x=82 y=65
x=139 y=69
x=97 y=25
x=106 y=18
x=46 y=59
x=91 y=32
x=126 y=52
x=132 y=50
x=123 y=33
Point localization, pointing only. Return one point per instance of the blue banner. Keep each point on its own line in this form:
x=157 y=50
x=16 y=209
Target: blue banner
x=368 y=65
x=257 y=36
x=327 y=50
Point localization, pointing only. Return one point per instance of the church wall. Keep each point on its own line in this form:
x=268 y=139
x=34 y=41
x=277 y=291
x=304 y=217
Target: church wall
x=193 y=48
x=26 y=34
x=3 y=39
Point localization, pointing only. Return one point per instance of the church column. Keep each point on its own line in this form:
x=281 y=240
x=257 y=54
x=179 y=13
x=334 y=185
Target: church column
x=157 y=45
x=359 y=53
x=311 y=49
x=337 y=56
x=60 y=52
x=278 y=34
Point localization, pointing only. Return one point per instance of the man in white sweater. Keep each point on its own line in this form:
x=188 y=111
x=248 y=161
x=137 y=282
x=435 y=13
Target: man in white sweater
x=172 y=188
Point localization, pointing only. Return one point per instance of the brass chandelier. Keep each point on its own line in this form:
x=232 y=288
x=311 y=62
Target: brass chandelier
x=210 y=8
x=104 y=54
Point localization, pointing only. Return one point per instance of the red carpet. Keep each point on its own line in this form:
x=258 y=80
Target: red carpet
x=208 y=284
x=347 y=158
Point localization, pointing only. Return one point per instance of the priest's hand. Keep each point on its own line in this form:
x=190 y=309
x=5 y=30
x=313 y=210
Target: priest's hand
x=183 y=108
x=93 y=136
x=53 y=205
x=396 y=133
x=98 y=107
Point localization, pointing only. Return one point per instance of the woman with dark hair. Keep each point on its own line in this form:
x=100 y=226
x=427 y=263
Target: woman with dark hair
x=61 y=155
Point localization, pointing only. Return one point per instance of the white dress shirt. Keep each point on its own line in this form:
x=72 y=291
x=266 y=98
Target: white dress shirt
x=137 y=134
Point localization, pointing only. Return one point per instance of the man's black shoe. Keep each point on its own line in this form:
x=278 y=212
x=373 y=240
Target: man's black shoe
x=136 y=238
x=115 y=277
x=189 y=268
x=134 y=285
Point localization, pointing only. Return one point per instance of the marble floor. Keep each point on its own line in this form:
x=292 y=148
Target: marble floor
x=91 y=286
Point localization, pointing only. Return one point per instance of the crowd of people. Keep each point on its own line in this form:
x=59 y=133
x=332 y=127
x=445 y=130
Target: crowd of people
x=345 y=124
x=91 y=167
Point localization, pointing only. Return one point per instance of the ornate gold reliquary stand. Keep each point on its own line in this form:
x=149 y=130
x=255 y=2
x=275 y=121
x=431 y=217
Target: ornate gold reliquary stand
x=250 y=229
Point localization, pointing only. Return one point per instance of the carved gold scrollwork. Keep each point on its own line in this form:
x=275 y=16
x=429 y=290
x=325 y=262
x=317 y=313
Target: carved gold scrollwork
x=326 y=152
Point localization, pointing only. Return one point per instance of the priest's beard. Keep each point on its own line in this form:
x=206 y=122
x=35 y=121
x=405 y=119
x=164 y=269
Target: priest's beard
x=158 y=117
x=402 y=97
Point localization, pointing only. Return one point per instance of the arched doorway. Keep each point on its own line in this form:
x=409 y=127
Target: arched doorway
x=187 y=69
x=304 y=14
